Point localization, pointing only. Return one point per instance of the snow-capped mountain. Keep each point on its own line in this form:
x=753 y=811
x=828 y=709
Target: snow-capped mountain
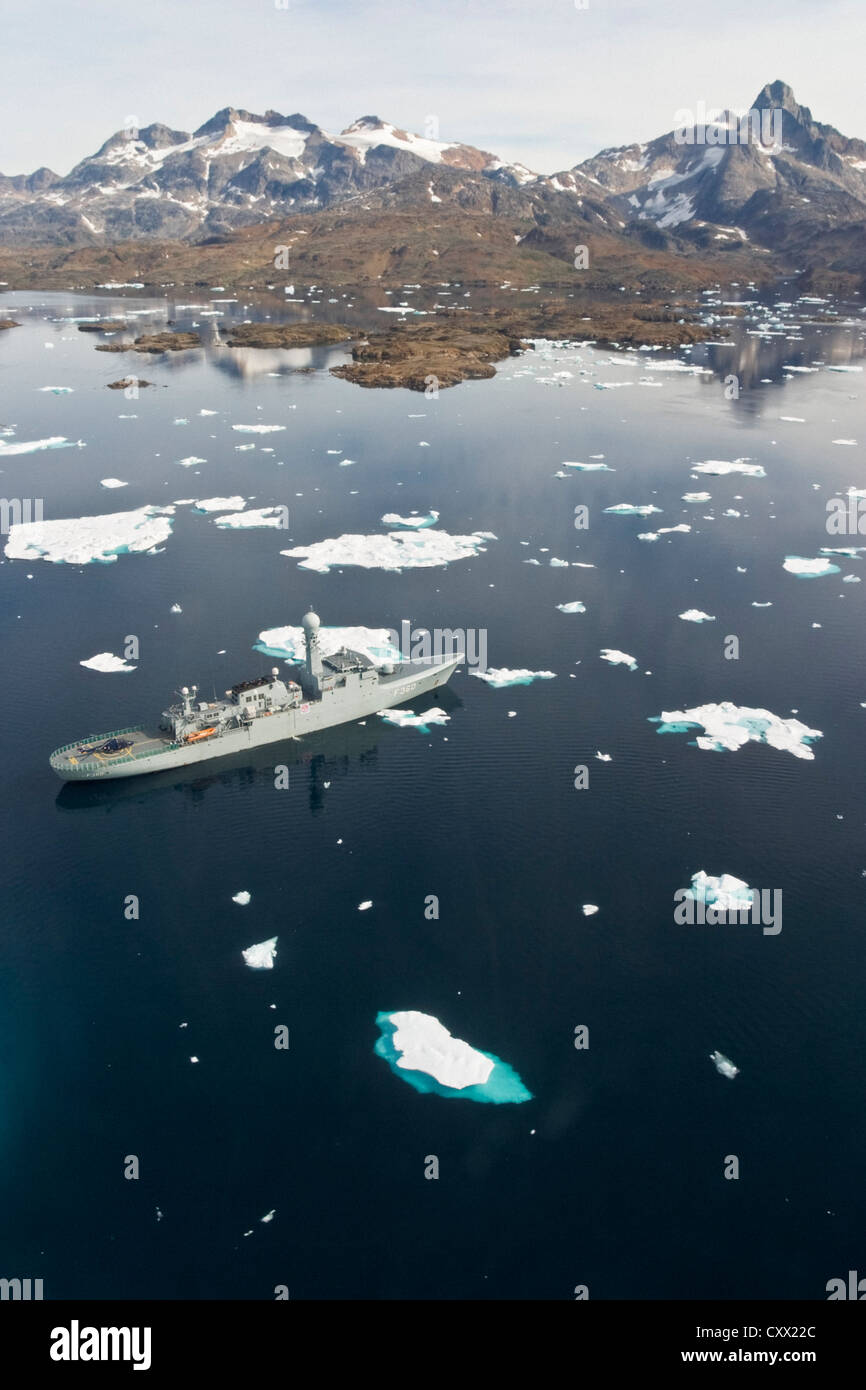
x=236 y=169
x=773 y=175
x=776 y=182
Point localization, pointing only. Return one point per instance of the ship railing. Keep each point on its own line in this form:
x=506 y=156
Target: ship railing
x=115 y=733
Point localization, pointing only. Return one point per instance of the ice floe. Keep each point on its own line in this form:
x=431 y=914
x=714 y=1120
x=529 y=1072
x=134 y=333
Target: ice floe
x=87 y=540
x=697 y=497
x=57 y=390
x=662 y=531
x=376 y=643
x=243 y=897
x=728 y=727
x=106 y=661
x=414 y=522
x=724 y=1065
x=405 y=719
x=34 y=446
x=589 y=909
x=258 y=429
x=365 y=906
x=219 y=504
x=628 y=509
x=420 y=1050
x=190 y=462
x=725 y=894
x=501 y=677
x=694 y=615
x=396 y=550
x=589 y=467
x=575 y=607
x=261 y=957
x=809 y=569
x=721 y=467
x=112 y=482
x=618 y=658
x=274 y=517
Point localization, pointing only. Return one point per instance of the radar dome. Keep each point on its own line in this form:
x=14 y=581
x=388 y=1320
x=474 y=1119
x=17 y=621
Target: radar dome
x=311 y=622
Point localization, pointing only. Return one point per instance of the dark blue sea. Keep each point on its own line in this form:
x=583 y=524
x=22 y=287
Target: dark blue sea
x=613 y=1175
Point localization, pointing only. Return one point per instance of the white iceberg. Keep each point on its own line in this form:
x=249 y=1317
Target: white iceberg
x=261 y=957
x=33 y=446
x=589 y=909
x=697 y=497
x=87 y=540
x=721 y=467
x=396 y=550
x=365 y=906
x=501 y=677
x=376 y=643
x=724 y=1065
x=589 y=467
x=728 y=727
x=106 y=661
x=243 y=897
x=220 y=504
x=258 y=429
x=405 y=719
x=725 y=894
x=414 y=522
x=575 y=607
x=694 y=615
x=628 y=509
x=808 y=569
x=420 y=1050
x=618 y=658
x=256 y=517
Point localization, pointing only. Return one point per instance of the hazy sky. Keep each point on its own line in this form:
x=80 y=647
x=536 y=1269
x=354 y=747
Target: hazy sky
x=540 y=81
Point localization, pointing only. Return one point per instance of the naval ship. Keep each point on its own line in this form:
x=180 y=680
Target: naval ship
x=334 y=689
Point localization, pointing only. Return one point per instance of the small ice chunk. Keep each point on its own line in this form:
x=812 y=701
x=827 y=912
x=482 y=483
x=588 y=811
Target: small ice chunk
x=107 y=662
x=175 y=608
x=589 y=909
x=724 y=1065
x=368 y=903
x=618 y=658
x=112 y=482
x=501 y=677
x=405 y=719
x=261 y=956
x=721 y=467
x=694 y=615
x=243 y=897
x=630 y=509
x=220 y=504
x=575 y=607
x=258 y=429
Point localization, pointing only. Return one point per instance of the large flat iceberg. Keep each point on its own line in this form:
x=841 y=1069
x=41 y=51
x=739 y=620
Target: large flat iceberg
x=396 y=550
x=618 y=658
x=273 y=517
x=288 y=642
x=629 y=509
x=728 y=727
x=420 y=1050
x=501 y=677
x=88 y=540
x=721 y=467
x=406 y=719
x=809 y=569
x=33 y=446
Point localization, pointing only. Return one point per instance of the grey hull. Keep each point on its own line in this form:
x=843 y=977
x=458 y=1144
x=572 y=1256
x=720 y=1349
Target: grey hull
x=152 y=752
